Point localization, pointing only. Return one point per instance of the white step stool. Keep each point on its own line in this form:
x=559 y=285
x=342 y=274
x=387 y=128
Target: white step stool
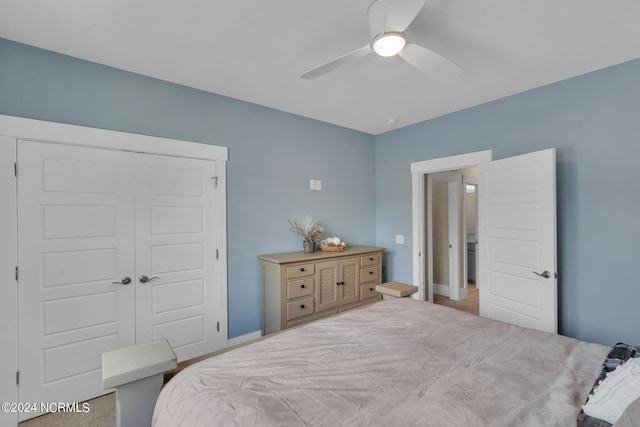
x=396 y=290
x=137 y=374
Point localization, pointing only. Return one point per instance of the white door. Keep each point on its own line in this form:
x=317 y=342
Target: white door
x=517 y=235
x=91 y=223
x=447 y=255
x=75 y=249
x=176 y=252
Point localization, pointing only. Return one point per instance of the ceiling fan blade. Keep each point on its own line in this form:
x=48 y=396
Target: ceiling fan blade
x=429 y=62
x=393 y=15
x=338 y=62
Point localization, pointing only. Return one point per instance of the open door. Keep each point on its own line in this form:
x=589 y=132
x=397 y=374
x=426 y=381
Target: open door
x=517 y=238
x=443 y=205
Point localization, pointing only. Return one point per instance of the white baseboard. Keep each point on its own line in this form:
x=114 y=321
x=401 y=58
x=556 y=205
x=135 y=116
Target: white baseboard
x=244 y=338
x=439 y=289
x=443 y=290
x=462 y=293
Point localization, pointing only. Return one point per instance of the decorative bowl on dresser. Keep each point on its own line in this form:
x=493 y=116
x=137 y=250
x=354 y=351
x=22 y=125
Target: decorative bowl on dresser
x=301 y=287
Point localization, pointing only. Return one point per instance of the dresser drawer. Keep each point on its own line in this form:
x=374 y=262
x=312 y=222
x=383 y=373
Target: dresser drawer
x=299 y=308
x=369 y=274
x=300 y=270
x=371 y=259
x=368 y=291
x=300 y=288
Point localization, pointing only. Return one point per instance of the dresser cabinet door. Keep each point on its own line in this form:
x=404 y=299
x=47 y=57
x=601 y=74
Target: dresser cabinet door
x=326 y=285
x=349 y=288
x=337 y=283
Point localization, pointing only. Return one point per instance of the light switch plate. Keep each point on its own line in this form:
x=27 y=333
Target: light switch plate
x=399 y=239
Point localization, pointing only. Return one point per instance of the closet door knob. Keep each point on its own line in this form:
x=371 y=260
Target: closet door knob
x=145 y=279
x=125 y=281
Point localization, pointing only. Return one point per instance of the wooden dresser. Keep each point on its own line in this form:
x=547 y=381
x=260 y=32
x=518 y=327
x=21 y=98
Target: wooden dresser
x=300 y=287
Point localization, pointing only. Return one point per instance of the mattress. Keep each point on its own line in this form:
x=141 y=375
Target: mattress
x=398 y=362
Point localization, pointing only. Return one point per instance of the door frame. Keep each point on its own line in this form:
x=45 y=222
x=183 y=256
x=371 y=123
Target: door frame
x=8 y=282
x=14 y=128
x=420 y=246
x=469 y=180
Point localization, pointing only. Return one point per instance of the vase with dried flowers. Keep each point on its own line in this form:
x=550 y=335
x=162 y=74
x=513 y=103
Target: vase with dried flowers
x=309 y=230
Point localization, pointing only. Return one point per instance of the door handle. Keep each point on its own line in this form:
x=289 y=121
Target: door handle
x=145 y=279
x=544 y=274
x=125 y=281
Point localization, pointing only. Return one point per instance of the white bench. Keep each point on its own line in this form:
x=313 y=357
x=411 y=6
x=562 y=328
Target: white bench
x=396 y=290
x=136 y=373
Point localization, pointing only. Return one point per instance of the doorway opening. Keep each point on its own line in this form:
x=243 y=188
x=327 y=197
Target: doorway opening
x=423 y=174
x=451 y=200
x=516 y=235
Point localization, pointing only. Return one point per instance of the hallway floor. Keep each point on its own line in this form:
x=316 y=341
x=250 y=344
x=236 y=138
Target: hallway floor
x=468 y=305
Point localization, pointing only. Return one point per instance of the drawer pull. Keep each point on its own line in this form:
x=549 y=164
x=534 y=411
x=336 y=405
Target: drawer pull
x=370 y=259
x=301 y=305
x=371 y=289
x=371 y=272
x=302 y=286
x=302 y=269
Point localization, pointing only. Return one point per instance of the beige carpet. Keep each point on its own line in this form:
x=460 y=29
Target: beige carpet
x=102 y=413
x=470 y=304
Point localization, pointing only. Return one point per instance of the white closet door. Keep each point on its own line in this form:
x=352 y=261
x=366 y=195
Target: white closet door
x=176 y=249
x=75 y=228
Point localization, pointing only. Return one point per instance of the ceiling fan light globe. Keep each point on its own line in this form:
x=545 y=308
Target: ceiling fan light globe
x=389 y=44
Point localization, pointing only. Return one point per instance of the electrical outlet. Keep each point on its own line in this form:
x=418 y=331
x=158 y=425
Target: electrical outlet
x=312 y=184
x=318 y=185
x=400 y=239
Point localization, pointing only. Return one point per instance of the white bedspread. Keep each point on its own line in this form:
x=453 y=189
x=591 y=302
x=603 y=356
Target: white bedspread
x=397 y=363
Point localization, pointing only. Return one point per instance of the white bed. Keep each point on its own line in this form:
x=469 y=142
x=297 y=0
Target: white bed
x=398 y=362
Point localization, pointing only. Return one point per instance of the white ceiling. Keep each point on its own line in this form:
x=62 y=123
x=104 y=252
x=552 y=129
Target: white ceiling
x=255 y=50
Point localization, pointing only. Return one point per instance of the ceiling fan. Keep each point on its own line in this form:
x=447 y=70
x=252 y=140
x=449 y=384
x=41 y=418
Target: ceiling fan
x=388 y=20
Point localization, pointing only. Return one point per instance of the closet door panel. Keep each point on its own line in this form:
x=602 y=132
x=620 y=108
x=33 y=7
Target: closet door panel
x=176 y=249
x=75 y=227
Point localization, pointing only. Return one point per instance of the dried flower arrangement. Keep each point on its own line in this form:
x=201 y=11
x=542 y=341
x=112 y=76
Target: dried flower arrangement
x=308 y=229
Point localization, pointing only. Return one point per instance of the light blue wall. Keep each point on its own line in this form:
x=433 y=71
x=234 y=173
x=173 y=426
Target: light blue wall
x=272 y=155
x=594 y=122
